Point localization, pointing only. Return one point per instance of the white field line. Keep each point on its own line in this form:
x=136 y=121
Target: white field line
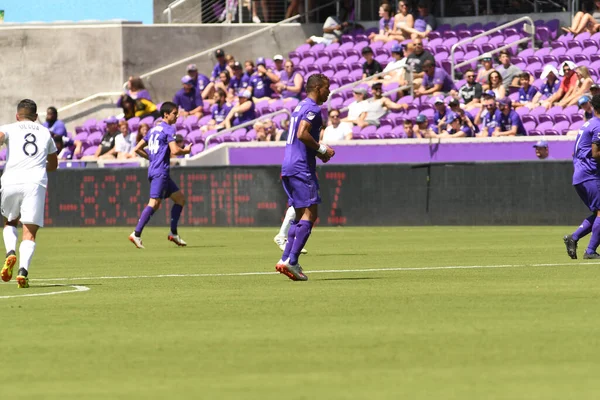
x=325 y=271
x=77 y=289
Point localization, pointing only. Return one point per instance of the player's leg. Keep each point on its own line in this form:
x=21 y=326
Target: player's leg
x=12 y=197
x=26 y=250
x=593 y=188
x=179 y=201
x=158 y=190
x=281 y=237
x=585 y=192
x=303 y=231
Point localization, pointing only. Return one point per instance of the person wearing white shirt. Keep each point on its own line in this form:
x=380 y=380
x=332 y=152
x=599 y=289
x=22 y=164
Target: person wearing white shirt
x=124 y=142
x=394 y=69
x=337 y=130
x=357 y=109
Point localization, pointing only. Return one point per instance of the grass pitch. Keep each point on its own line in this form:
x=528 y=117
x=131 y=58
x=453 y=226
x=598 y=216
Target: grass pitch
x=521 y=324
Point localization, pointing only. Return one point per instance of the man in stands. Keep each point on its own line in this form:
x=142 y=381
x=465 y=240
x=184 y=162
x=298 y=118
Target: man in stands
x=424 y=22
x=456 y=128
x=243 y=112
x=509 y=123
x=106 y=149
x=200 y=81
x=394 y=70
x=435 y=81
x=249 y=70
x=567 y=86
x=237 y=82
x=440 y=115
x=124 y=141
x=371 y=66
x=260 y=83
x=220 y=66
x=527 y=92
x=337 y=130
x=422 y=129
x=488 y=115
x=417 y=59
x=278 y=60
x=594 y=89
x=332 y=31
x=471 y=91
x=289 y=84
x=219 y=111
x=54 y=125
x=188 y=99
x=356 y=109
x=377 y=106
x=510 y=73
x=541 y=150
x=466 y=118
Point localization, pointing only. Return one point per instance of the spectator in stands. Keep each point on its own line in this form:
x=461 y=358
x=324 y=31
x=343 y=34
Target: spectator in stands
x=455 y=128
x=541 y=150
x=260 y=83
x=417 y=59
x=467 y=119
x=487 y=67
x=550 y=74
x=229 y=60
x=135 y=90
x=440 y=115
x=289 y=84
x=527 y=92
x=250 y=70
x=594 y=90
x=424 y=22
x=394 y=69
x=408 y=128
x=219 y=112
x=278 y=60
x=124 y=142
x=54 y=125
x=188 y=99
x=243 y=112
x=496 y=85
x=386 y=24
x=377 y=106
x=585 y=22
x=356 y=109
x=237 y=83
x=282 y=134
x=436 y=81
x=567 y=86
x=584 y=82
x=106 y=149
x=220 y=66
x=488 y=115
x=403 y=23
x=471 y=91
x=332 y=31
x=422 y=129
x=337 y=130
x=509 y=123
x=223 y=84
x=200 y=81
x=264 y=8
x=265 y=131
x=64 y=152
x=585 y=104
x=510 y=72
x=142 y=132
x=371 y=66
x=138 y=108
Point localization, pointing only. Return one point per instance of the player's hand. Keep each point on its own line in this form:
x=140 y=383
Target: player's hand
x=329 y=153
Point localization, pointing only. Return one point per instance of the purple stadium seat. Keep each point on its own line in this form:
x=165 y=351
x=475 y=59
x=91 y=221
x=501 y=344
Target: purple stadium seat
x=82 y=136
x=527 y=117
x=545 y=118
x=133 y=123
x=560 y=118
x=489 y=25
x=560 y=126
x=204 y=120
x=581 y=59
x=94 y=138
x=195 y=136
x=302 y=48
x=190 y=123
x=545 y=125
x=534 y=132
x=148 y=120
x=307 y=61
x=90 y=151
x=529 y=125
x=449 y=35
x=182 y=132
x=197 y=148
x=570 y=110
x=551 y=132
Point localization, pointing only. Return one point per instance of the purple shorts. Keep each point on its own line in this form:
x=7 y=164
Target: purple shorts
x=162 y=187
x=302 y=190
x=589 y=192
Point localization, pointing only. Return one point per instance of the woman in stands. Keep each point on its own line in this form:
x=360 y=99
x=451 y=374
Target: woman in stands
x=403 y=22
x=138 y=108
x=585 y=22
x=135 y=90
x=243 y=112
x=386 y=25
x=142 y=131
x=487 y=67
x=583 y=87
x=495 y=84
x=289 y=85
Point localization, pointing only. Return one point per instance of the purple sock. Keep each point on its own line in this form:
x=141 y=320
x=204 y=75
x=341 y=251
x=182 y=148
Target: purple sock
x=290 y=241
x=144 y=218
x=302 y=233
x=585 y=228
x=175 y=214
x=595 y=239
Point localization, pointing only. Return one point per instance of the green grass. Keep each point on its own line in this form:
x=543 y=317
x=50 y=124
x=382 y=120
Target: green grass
x=522 y=332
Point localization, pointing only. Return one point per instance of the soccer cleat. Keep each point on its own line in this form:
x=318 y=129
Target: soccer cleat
x=22 y=279
x=294 y=272
x=281 y=241
x=7 y=270
x=571 y=246
x=177 y=240
x=591 y=256
x=137 y=241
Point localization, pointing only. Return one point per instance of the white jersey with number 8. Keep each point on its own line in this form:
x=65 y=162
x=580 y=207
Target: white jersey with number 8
x=28 y=145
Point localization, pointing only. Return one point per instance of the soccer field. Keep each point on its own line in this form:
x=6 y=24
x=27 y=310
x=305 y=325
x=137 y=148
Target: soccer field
x=388 y=313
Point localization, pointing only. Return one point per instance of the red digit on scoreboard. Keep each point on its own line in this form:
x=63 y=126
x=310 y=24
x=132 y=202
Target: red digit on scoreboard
x=195 y=199
x=88 y=193
x=334 y=217
x=220 y=196
x=241 y=199
x=110 y=188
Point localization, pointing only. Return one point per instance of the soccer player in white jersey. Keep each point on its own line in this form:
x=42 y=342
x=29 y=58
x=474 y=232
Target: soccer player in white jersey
x=30 y=153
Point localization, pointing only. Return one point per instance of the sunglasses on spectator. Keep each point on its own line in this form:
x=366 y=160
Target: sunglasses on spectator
x=489 y=105
x=334 y=115
x=418 y=44
x=470 y=76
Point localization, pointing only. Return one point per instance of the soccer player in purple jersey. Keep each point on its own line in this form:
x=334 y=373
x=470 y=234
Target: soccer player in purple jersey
x=586 y=179
x=298 y=172
x=160 y=142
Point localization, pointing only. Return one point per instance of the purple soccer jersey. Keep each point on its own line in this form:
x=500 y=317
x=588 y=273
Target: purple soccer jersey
x=525 y=96
x=298 y=158
x=506 y=122
x=217 y=70
x=159 y=153
x=201 y=82
x=261 y=86
x=219 y=113
x=585 y=167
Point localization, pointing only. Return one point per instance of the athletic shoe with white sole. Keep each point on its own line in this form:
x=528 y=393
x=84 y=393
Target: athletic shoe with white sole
x=7 y=270
x=281 y=241
x=137 y=241
x=294 y=272
x=177 y=240
x=22 y=279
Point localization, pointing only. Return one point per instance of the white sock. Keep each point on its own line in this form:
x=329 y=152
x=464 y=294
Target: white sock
x=10 y=238
x=26 y=250
x=290 y=215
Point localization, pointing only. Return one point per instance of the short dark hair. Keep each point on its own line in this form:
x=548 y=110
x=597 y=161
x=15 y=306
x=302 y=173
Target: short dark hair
x=334 y=109
x=525 y=75
x=53 y=109
x=596 y=103
x=29 y=107
x=504 y=52
x=428 y=63
x=315 y=81
x=221 y=92
x=167 y=108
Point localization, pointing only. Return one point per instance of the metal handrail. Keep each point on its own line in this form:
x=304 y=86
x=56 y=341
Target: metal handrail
x=170 y=7
x=487 y=33
x=370 y=78
x=245 y=124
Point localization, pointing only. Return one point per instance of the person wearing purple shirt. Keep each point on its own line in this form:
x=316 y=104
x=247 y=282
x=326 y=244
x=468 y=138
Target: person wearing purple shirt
x=455 y=128
x=509 y=122
x=526 y=92
x=188 y=98
x=220 y=66
x=466 y=117
x=586 y=180
x=243 y=112
x=249 y=70
x=237 y=84
x=489 y=116
x=298 y=172
x=54 y=125
x=157 y=146
x=435 y=81
x=289 y=84
x=135 y=90
x=260 y=83
x=440 y=114
x=201 y=81
x=386 y=24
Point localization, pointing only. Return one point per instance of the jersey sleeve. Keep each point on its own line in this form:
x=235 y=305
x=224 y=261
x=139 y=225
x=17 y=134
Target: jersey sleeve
x=51 y=146
x=312 y=116
x=596 y=135
x=170 y=135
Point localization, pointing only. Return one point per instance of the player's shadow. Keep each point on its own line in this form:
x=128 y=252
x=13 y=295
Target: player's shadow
x=206 y=246
x=34 y=286
x=348 y=279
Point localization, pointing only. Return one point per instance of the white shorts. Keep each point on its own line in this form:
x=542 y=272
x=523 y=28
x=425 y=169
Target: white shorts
x=26 y=201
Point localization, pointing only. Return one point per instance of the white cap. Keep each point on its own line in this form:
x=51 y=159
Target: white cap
x=277 y=57
x=571 y=65
x=547 y=69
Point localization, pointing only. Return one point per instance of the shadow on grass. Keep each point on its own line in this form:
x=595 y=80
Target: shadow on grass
x=348 y=279
x=42 y=286
x=340 y=254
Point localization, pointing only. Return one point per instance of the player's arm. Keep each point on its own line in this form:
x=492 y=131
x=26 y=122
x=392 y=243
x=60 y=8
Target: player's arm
x=52 y=162
x=178 y=151
x=2 y=138
x=596 y=151
x=325 y=152
x=139 y=149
